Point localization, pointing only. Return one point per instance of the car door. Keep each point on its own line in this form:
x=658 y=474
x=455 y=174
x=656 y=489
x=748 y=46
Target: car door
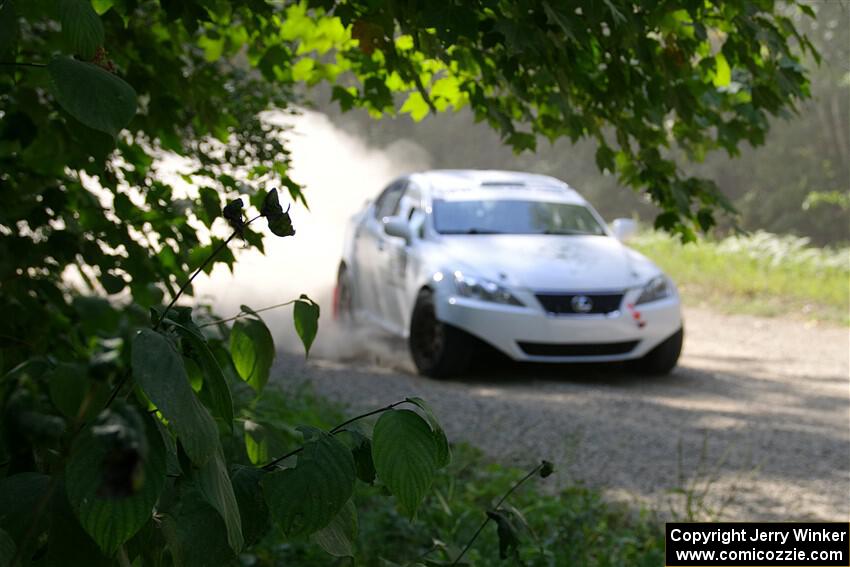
x=394 y=263
x=369 y=239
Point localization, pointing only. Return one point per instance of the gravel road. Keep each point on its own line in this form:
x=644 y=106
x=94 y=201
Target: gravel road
x=758 y=412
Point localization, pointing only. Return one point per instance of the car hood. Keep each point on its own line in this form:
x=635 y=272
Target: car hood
x=548 y=262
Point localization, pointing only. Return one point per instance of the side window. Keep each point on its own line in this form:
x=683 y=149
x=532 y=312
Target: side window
x=410 y=201
x=387 y=203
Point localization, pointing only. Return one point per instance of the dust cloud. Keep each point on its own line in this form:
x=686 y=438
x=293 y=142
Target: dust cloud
x=339 y=172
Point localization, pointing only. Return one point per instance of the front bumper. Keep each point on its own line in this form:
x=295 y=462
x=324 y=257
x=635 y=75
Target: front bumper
x=531 y=334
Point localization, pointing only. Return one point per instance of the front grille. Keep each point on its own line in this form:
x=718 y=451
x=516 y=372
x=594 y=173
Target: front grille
x=563 y=304
x=577 y=349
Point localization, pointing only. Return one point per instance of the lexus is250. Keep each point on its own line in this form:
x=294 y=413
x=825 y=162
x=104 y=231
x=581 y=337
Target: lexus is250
x=449 y=259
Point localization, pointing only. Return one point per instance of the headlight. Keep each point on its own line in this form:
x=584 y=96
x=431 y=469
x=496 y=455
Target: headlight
x=483 y=289
x=658 y=287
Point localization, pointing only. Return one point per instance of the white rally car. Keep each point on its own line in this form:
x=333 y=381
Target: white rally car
x=450 y=258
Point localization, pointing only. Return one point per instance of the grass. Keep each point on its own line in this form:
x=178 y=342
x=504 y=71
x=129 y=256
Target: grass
x=758 y=274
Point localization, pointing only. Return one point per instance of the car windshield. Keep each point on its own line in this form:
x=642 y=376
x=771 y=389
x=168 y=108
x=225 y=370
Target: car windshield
x=513 y=217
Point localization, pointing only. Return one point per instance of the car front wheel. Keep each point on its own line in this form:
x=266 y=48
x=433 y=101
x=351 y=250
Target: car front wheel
x=663 y=358
x=438 y=350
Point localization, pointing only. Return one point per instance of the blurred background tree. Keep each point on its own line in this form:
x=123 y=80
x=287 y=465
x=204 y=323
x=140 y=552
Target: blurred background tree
x=798 y=182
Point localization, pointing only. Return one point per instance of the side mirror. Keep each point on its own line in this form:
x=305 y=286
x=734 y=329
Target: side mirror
x=399 y=227
x=623 y=229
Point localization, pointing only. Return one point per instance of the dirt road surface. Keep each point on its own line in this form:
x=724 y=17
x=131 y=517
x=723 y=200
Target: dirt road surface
x=758 y=411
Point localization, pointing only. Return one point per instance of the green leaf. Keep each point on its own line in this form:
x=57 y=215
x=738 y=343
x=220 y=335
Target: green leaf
x=416 y=106
x=215 y=391
x=232 y=213
x=337 y=537
x=20 y=495
x=252 y=349
x=306 y=498
x=722 y=72
x=279 y=221
x=406 y=456
x=194 y=373
x=82 y=29
x=252 y=506
x=92 y=95
x=361 y=450
x=69 y=385
x=102 y=6
x=115 y=474
x=605 y=158
x=159 y=372
x=67 y=543
x=218 y=491
x=211 y=205
x=195 y=533
x=282 y=225
x=8 y=30
x=112 y=284
x=444 y=452
x=271 y=204
x=256 y=444
x=97 y=315
x=306 y=319
x=7 y=549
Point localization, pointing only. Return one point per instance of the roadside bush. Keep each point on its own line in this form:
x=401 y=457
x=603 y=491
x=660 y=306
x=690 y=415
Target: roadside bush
x=574 y=527
x=759 y=273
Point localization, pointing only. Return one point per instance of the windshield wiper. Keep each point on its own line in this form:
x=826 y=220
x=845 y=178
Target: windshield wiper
x=472 y=231
x=567 y=232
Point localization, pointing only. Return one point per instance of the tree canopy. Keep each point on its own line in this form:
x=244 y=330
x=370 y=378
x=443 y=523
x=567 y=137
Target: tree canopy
x=92 y=92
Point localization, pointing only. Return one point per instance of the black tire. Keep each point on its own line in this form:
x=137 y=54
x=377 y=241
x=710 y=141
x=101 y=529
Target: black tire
x=344 y=297
x=438 y=350
x=663 y=358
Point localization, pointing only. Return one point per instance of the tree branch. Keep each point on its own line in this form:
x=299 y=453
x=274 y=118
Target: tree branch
x=200 y=268
x=334 y=431
x=243 y=313
x=21 y=64
x=516 y=485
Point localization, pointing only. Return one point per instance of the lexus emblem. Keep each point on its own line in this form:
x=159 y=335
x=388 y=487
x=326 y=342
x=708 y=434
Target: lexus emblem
x=581 y=304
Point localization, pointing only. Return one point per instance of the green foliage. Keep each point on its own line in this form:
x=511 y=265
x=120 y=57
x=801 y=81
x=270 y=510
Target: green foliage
x=444 y=455
x=641 y=79
x=92 y=95
x=305 y=498
x=406 y=456
x=252 y=505
x=214 y=389
x=760 y=273
x=20 y=495
x=115 y=475
x=279 y=221
x=158 y=369
x=7 y=549
x=337 y=538
x=575 y=526
x=305 y=314
x=81 y=27
x=252 y=348
x=216 y=488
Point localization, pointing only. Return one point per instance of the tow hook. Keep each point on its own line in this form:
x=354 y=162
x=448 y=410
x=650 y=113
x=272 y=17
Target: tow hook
x=636 y=316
